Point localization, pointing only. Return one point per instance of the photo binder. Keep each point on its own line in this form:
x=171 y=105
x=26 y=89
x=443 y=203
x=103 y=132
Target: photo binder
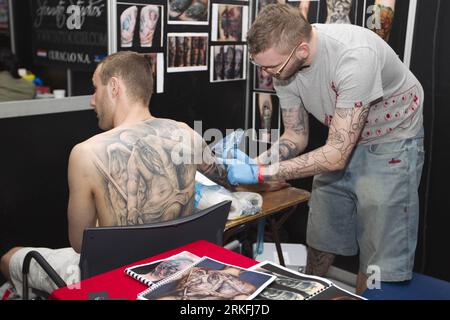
x=156 y=271
x=291 y=285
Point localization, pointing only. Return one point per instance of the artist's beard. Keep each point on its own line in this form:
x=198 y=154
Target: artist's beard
x=295 y=66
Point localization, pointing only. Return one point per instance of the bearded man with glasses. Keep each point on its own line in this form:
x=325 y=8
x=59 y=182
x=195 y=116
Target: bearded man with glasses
x=365 y=192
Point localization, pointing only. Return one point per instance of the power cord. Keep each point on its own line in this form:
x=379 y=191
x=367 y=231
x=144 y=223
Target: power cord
x=431 y=135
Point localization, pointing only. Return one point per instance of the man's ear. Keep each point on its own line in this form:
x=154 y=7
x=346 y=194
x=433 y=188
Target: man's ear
x=302 y=51
x=114 y=86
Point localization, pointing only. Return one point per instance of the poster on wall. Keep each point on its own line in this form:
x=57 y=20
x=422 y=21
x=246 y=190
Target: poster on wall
x=140 y=26
x=156 y=60
x=309 y=9
x=228 y=63
x=188 y=12
x=71 y=34
x=388 y=19
x=262 y=3
x=266 y=115
x=229 y=22
x=263 y=81
x=4 y=22
x=187 y=52
x=339 y=11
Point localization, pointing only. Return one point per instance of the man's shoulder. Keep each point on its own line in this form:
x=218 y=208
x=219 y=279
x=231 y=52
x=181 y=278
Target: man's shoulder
x=169 y=123
x=344 y=37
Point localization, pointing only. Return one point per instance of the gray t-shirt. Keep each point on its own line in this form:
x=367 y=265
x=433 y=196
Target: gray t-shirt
x=353 y=66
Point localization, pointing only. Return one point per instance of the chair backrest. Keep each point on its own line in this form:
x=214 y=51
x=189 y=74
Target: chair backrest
x=107 y=248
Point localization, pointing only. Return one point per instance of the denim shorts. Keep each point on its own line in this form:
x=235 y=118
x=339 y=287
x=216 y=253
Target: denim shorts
x=371 y=207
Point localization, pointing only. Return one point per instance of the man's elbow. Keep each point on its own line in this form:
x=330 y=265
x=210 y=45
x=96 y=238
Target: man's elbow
x=301 y=145
x=339 y=164
x=75 y=243
x=76 y=247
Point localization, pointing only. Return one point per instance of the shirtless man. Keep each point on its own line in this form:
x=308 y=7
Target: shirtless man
x=130 y=174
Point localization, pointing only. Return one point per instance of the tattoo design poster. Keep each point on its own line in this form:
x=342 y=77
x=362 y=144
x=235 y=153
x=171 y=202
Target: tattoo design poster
x=140 y=26
x=379 y=17
x=262 y=3
x=187 y=52
x=157 y=64
x=228 y=63
x=309 y=8
x=229 y=22
x=70 y=35
x=4 y=22
x=188 y=12
x=388 y=19
x=266 y=115
x=263 y=81
x=339 y=11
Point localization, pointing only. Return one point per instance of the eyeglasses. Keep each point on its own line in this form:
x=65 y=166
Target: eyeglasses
x=283 y=66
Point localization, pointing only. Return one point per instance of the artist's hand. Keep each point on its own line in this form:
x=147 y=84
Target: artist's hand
x=235 y=156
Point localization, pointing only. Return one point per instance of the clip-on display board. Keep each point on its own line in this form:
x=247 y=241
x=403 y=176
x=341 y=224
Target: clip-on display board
x=192 y=83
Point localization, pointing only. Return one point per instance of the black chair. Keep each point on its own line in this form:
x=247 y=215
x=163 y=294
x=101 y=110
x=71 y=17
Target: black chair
x=108 y=248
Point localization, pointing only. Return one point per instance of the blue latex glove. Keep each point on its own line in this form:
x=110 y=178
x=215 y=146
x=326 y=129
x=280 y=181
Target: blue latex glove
x=241 y=156
x=237 y=156
x=240 y=173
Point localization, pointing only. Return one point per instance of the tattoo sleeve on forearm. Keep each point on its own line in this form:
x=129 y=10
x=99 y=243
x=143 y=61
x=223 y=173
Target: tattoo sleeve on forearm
x=343 y=135
x=211 y=169
x=293 y=141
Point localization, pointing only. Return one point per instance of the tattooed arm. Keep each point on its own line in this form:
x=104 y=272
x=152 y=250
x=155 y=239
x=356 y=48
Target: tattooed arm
x=81 y=210
x=345 y=130
x=206 y=162
x=211 y=168
x=294 y=139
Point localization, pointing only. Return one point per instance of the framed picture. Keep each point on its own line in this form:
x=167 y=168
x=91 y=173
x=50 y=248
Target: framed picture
x=157 y=64
x=266 y=116
x=140 y=26
x=188 y=12
x=229 y=22
x=187 y=52
x=309 y=8
x=228 y=63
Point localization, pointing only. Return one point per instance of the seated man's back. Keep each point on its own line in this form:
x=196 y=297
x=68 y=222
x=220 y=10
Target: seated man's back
x=135 y=178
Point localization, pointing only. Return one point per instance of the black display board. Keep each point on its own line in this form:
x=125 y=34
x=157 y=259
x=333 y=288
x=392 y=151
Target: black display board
x=68 y=33
x=4 y=17
x=188 y=94
x=5 y=41
x=429 y=62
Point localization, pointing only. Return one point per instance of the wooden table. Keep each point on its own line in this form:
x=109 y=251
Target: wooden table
x=285 y=200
